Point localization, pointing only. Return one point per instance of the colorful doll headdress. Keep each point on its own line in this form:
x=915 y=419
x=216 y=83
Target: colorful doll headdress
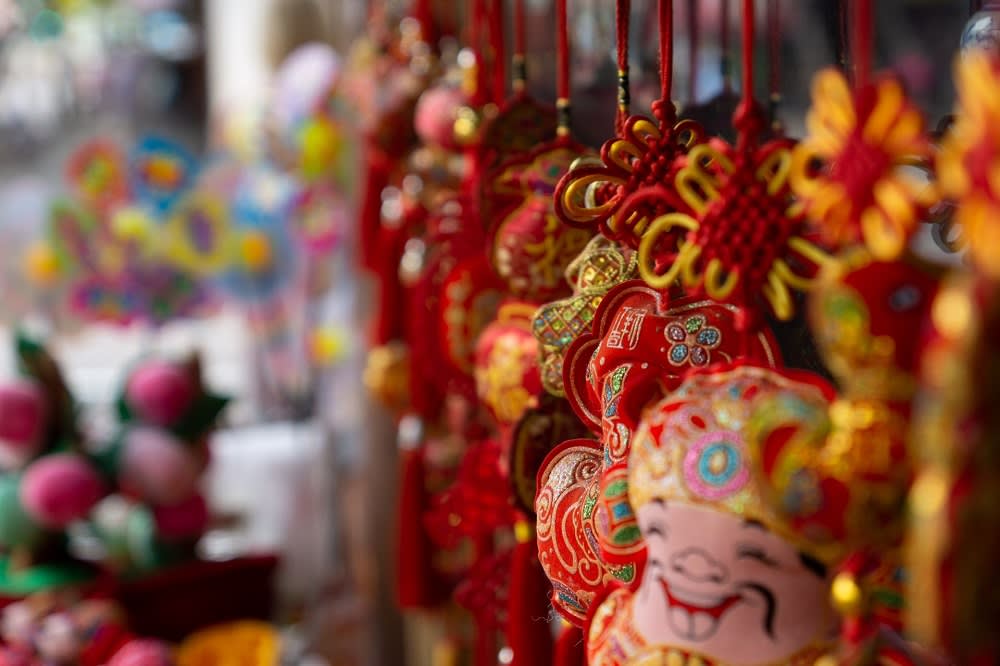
x=693 y=448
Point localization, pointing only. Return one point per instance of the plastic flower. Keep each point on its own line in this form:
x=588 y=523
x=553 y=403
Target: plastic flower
x=853 y=170
x=968 y=165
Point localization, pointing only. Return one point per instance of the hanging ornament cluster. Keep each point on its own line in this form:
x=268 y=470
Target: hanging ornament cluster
x=696 y=394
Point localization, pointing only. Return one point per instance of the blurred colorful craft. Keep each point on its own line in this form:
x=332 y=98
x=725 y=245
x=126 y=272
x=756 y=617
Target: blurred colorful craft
x=161 y=171
x=97 y=172
x=198 y=234
x=237 y=644
x=319 y=217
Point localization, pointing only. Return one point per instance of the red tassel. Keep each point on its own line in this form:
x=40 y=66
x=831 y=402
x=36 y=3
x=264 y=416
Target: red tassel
x=417 y=585
x=569 y=648
x=528 y=631
x=377 y=172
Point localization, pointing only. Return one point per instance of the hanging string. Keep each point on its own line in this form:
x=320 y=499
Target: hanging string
x=774 y=57
x=423 y=12
x=666 y=21
x=497 y=50
x=746 y=119
x=843 y=54
x=623 y=15
x=518 y=61
x=693 y=45
x=861 y=42
x=726 y=62
x=562 y=69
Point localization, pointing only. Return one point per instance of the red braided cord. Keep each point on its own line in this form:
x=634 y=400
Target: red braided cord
x=727 y=56
x=623 y=14
x=748 y=44
x=666 y=21
x=497 y=50
x=693 y=39
x=519 y=41
x=862 y=42
x=774 y=46
x=562 y=67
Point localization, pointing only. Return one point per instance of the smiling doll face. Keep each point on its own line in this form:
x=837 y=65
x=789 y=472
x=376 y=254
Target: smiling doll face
x=726 y=588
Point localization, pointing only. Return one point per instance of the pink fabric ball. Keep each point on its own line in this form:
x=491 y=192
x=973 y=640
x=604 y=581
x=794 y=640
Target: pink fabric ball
x=158 y=467
x=22 y=416
x=182 y=521
x=434 y=118
x=160 y=392
x=61 y=488
x=142 y=652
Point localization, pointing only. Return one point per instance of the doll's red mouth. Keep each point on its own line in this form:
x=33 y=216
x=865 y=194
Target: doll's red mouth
x=695 y=616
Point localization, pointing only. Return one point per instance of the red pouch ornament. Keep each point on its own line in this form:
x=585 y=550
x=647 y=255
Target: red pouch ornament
x=628 y=360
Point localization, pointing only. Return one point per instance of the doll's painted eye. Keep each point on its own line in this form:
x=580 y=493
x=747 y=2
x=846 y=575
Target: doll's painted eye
x=752 y=552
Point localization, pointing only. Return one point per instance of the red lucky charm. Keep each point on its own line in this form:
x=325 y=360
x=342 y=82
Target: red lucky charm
x=641 y=346
x=854 y=170
x=507 y=378
x=593 y=195
x=602 y=265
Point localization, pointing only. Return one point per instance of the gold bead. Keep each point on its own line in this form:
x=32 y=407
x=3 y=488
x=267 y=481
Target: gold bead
x=846 y=595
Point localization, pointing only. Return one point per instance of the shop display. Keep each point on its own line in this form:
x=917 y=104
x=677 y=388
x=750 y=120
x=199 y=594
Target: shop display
x=714 y=392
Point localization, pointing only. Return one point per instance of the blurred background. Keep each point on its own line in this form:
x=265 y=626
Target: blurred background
x=302 y=463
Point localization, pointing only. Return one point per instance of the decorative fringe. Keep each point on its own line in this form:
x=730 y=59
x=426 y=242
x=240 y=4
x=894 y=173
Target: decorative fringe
x=528 y=632
x=417 y=585
x=569 y=648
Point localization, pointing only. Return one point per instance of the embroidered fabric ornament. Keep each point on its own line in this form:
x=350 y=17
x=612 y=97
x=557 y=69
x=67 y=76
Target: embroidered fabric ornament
x=601 y=265
x=530 y=247
x=853 y=171
x=610 y=374
x=506 y=372
x=967 y=156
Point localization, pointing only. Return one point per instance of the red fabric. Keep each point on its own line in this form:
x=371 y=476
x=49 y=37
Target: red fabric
x=175 y=603
x=103 y=645
x=528 y=632
x=417 y=585
x=569 y=650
